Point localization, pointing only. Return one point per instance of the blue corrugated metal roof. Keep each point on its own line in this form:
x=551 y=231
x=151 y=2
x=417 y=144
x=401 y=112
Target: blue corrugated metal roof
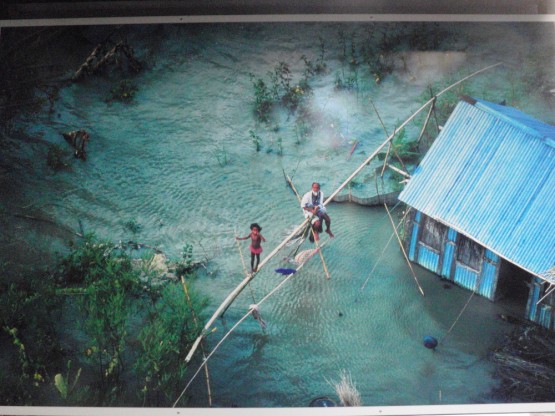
x=490 y=175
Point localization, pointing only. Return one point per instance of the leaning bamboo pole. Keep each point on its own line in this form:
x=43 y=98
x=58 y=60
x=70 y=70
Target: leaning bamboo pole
x=548 y=292
x=231 y=297
x=195 y=320
x=423 y=130
x=403 y=249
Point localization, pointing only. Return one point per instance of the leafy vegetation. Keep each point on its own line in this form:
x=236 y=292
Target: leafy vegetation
x=133 y=226
x=402 y=148
x=221 y=156
x=134 y=327
x=363 y=54
x=256 y=140
x=28 y=309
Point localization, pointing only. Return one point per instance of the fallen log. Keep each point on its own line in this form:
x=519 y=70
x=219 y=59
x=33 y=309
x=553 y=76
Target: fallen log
x=95 y=61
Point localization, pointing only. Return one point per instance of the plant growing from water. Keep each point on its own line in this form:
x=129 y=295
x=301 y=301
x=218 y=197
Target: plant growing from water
x=185 y=265
x=222 y=157
x=123 y=92
x=256 y=140
x=353 y=60
x=113 y=294
x=302 y=129
x=133 y=226
x=321 y=65
x=347 y=391
x=67 y=387
x=263 y=99
x=280 y=146
x=350 y=83
x=403 y=148
x=309 y=69
x=106 y=307
x=110 y=294
x=28 y=306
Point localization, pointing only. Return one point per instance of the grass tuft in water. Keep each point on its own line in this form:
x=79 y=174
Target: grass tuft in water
x=346 y=390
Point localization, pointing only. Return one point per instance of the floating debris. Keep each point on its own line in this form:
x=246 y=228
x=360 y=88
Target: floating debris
x=526 y=365
x=78 y=139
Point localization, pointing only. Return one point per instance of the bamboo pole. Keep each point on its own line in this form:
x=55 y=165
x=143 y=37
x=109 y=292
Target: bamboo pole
x=399 y=171
x=549 y=290
x=458 y=317
x=403 y=249
x=324 y=265
x=385 y=160
x=386 y=135
x=382 y=253
x=426 y=122
x=433 y=111
x=390 y=148
x=195 y=320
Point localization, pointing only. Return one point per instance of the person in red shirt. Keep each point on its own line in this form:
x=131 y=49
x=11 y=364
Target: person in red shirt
x=256 y=245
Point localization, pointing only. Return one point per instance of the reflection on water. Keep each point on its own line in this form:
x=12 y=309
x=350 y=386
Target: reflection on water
x=180 y=162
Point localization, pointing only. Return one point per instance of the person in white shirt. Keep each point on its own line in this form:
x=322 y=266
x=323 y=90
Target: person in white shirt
x=312 y=204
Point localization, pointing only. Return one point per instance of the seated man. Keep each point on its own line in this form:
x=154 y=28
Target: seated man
x=313 y=207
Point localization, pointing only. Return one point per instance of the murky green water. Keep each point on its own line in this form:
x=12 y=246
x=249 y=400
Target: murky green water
x=180 y=162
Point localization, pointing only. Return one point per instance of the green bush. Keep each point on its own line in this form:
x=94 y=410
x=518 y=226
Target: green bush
x=165 y=340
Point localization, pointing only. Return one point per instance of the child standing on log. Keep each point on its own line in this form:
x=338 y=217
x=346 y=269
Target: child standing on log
x=256 y=245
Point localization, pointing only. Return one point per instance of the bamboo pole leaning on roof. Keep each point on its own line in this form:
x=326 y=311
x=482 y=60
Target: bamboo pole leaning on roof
x=403 y=249
x=225 y=304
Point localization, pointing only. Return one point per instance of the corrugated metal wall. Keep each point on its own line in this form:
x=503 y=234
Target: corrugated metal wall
x=444 y=262
x=449 y=254
x=489 y=275
x=542 y=314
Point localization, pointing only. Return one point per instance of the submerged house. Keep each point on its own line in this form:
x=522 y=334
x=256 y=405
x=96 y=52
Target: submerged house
x=483 y=205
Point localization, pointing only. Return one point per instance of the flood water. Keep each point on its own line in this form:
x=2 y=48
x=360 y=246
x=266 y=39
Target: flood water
x=179 y=160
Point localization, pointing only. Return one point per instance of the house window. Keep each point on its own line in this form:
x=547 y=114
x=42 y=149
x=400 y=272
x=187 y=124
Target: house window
x=469 y=252
x=433 y=233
